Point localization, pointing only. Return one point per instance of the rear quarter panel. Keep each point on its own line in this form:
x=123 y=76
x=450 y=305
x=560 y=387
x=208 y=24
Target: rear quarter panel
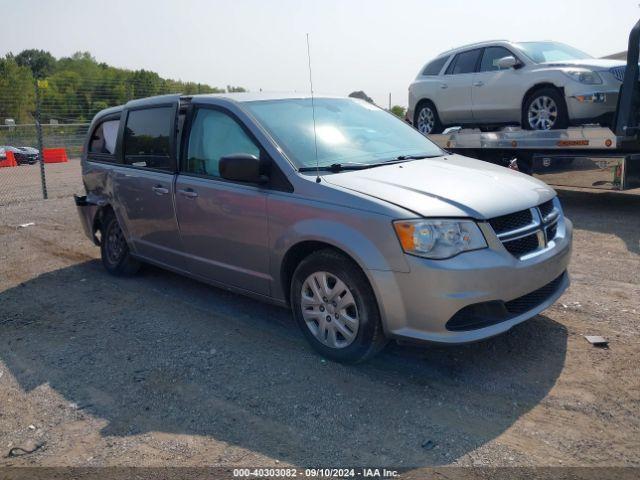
x=424 y=87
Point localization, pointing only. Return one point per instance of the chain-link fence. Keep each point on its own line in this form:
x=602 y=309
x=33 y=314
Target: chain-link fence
x=26 y=178
x=43 y=132
x=43 y=124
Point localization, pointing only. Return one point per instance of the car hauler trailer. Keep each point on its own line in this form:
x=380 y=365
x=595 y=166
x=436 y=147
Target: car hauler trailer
x=590 y=156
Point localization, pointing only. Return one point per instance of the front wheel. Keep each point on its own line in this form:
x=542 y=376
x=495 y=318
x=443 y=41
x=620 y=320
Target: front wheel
x=545 y=109
x=335 y=307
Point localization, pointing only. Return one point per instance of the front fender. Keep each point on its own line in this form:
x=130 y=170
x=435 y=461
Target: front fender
x=368 y=238
x=543 y=77
x=341 y=236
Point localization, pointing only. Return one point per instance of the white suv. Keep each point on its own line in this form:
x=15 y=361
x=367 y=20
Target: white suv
x=539 y=85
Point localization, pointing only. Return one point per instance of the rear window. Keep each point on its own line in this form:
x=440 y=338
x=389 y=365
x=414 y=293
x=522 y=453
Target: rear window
x=435 y=67
x=103 y=139
x=147 y=138
x=464 y=62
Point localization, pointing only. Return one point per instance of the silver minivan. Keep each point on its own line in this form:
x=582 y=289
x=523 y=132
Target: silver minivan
x=330 y=206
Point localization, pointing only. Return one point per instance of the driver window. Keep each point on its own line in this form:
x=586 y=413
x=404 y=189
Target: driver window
x=491 y=56
x=215 y=134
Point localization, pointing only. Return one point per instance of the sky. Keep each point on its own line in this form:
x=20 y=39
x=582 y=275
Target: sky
x=377 y=45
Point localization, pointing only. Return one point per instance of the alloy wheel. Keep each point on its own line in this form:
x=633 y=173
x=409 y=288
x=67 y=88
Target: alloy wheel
x=426 y=120
x=542 y=113
x=329 y=310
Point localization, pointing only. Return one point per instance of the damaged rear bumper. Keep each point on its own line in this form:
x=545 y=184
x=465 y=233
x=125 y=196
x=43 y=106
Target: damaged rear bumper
x=87 y=211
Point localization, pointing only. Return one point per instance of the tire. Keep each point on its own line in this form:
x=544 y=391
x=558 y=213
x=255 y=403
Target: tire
x=367 y=338
x=547 y=100
x=116 y=256
x=427 y=110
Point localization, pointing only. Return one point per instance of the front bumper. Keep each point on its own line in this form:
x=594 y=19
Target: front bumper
x=25 y=159
x=417 y=305
x=585 y=104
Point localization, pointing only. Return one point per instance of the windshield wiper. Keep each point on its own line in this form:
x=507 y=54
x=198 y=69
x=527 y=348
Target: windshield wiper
x=341 y=167
x=403 y=158
x=338 y=167
x=416 y=157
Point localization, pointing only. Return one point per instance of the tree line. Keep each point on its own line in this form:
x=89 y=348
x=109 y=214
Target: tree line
x=73 y=89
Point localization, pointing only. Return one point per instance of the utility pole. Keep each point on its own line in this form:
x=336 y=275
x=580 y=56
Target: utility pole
x=40 y=143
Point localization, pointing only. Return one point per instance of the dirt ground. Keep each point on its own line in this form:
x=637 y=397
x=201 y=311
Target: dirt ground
x=161 y=370
x=23 y=183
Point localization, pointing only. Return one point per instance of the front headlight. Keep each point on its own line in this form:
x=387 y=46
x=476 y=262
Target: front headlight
x=438 y=239
x=584 y=76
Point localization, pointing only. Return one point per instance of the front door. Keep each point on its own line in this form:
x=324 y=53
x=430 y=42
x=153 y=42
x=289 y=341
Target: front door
x=143 y=185
x=223 y=224
x=497 y=93
x=453 y=99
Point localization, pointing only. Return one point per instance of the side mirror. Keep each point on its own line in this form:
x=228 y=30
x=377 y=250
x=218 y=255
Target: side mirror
x=241 y=167
x=508 y=62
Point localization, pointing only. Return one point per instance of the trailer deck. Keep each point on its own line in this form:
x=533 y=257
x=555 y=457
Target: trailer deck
x=588 y=157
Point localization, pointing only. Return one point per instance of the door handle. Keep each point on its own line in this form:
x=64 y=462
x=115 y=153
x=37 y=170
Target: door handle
x=444 y=85
x=160 y=190
x=189 y=193
x=479 y=83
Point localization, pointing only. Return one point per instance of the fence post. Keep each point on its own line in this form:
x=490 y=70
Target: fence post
x=40 y=142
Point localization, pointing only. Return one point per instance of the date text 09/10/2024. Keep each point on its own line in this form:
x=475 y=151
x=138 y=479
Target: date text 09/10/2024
x=315 y=473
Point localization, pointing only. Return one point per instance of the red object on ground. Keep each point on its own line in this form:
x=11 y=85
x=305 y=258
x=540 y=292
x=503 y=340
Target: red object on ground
x=10 y=161
x=54 y=155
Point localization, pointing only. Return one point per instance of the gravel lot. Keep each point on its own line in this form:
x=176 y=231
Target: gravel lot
x=23 y=183
x=161 y=370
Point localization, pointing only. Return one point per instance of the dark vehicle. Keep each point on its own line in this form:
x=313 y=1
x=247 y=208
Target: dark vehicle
x=23 y=155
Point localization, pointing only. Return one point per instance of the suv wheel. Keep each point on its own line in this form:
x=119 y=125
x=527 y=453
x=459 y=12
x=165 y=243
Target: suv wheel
x=114 y=250
x=334 y=305
x=427 y=120
x=545 y=109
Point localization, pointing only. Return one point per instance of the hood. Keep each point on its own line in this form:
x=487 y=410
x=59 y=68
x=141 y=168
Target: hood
x=596 y=64
x=30 y=150
x=451 y=186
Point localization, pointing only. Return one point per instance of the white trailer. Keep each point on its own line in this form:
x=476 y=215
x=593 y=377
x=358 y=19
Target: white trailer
x=588 y=157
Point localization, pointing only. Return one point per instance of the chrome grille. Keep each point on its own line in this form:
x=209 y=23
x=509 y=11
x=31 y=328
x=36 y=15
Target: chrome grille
x=511 y=221
x=546 y=208
x=522 y=246
x=528 y=231
x=618 y=72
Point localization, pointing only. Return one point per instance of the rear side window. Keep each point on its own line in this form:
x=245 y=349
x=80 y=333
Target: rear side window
x=147 y=138
x=214 y=134
x=435 y=67
x=103 y=138
x=464 y=62
x=491 y=56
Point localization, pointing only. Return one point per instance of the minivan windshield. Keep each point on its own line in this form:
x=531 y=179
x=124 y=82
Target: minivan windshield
x=543 y=52
x=349 y=131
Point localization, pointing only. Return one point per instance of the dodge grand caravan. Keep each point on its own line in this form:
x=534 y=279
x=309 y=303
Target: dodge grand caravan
x=334 y=207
